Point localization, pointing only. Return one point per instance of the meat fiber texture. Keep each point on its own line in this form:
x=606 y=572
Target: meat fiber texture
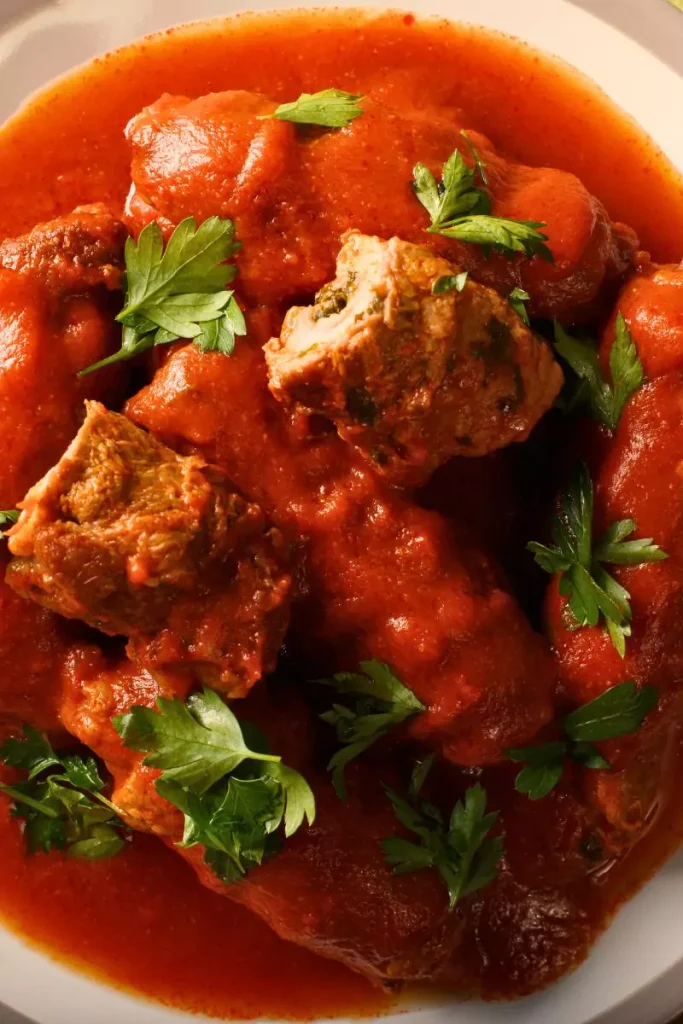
x=410 y=377
x=138 y=541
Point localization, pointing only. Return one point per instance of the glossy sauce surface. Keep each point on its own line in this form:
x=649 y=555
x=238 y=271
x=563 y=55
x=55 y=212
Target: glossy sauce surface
x=142 y=920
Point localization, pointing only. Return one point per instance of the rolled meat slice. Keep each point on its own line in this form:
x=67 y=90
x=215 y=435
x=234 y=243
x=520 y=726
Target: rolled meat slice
x=136 y=540
x=328 y=888
x=293 y=193
x=380 y=577
x=410 y=373
x=637 y=475
x=55 y=319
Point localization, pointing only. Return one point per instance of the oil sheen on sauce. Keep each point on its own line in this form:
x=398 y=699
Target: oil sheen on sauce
x=141 y=920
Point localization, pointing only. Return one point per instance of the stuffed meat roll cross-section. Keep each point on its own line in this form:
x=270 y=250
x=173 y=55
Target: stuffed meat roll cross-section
x=138 y=541
x=413 y=363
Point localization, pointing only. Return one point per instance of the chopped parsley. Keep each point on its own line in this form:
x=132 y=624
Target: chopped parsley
x=591 y=591
x=383 y=702
x=460 y=209
x=178 y=290
x=329 y=108
x=60 y=801
x=607 y=400
x=517 y=299
x=449 y=283
x=618 y=711
x=459 y=849
x=233 y=793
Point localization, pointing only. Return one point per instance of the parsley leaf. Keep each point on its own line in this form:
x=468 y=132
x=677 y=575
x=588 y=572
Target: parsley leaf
x=517 y=299
x=329 y=108
x=178 y=291
x=619 y=711
x=384 y=702
x=63 y=810
x=607 y=401
x=591 y=591
x=8 y=517
x=449 y=282
x=461 y=210
x=460 y=850
x=233 y=793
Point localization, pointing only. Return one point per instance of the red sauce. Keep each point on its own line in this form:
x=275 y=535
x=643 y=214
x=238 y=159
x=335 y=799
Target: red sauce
x=142 y=920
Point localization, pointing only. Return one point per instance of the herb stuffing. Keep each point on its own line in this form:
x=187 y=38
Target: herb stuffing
x=591 y=591
x=233 y=793
x=178 y=290
x=619 y=711
x=60 y=802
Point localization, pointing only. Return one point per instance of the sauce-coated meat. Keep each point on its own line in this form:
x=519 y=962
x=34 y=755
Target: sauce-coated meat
x=328 y=888
x=381 y=578
x=410 y=377
x=637 y=475
x=136 y=540
x=55 y=319
x=293 y=194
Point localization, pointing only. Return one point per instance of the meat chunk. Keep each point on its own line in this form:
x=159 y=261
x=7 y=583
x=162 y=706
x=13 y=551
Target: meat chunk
x=293 y=193
x=652 y=305
x=54 y=322
x=637 y=476
x=133 y=539
x=381 y=578
x=72 y=253
x=410 y=377
x=328 y=888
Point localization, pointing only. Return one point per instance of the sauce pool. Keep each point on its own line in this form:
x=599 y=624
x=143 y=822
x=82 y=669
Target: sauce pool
x=141 y=920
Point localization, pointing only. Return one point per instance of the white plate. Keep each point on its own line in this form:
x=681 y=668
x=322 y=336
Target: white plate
x=635 y=973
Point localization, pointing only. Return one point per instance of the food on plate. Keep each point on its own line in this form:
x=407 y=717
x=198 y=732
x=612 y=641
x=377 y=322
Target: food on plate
x=341 y=511
x=413 y=362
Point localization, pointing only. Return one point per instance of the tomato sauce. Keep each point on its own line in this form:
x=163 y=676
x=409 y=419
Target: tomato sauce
x=142 y=920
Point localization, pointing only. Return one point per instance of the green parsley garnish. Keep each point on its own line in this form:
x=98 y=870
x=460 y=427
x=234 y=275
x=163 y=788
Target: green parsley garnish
x=383 y=703
x=459 y=850
x=607 y=400
x=619 y=711
x=329 y=108
x=178 y=291
x=591 y=590
x=60 y=801
x=461 y=210
x=517 y=299
x=9 y=517
x=234 y=794
x=450 y=282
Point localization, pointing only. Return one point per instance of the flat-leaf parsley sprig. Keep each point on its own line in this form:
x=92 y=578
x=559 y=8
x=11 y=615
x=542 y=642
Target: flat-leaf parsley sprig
x=383 y=703
x=607 y=399
x=461 y=210
x=329 y=108
x=60 y=801
x=591 y=591
x=178 y=290
x=460 y=849
x=619 y=711
x=233 y=793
